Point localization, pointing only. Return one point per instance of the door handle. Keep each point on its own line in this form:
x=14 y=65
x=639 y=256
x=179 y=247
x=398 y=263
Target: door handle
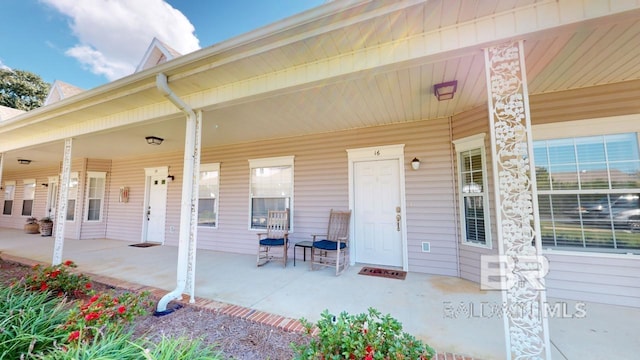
x=398 y=222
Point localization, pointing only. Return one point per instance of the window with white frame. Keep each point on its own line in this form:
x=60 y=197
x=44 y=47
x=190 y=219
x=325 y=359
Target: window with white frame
x=28 y=196
x=9 y=193
x=473 y=192
x=95 y=195
x=271 y=188
x=208 y=195
x=589 y=192
x=72 y=195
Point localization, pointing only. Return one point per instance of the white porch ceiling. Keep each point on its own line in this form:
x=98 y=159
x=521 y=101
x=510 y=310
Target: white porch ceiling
x=572 y=57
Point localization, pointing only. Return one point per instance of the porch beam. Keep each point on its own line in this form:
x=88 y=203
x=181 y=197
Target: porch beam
x=428 y=47
x=61 y=210
x=521 y=262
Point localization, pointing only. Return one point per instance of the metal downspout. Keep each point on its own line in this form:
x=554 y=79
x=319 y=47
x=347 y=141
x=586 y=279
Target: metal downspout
x=187 y=235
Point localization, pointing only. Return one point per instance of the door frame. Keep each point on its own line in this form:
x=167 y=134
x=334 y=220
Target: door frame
x=148 y=173
x=375 y=153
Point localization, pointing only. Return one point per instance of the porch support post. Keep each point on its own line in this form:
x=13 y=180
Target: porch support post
x=193 y=215
x=1 y=166
x=61 y=210
x=521 y=260
x=186 y=264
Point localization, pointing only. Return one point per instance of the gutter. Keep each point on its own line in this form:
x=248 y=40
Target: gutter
x=187 y=235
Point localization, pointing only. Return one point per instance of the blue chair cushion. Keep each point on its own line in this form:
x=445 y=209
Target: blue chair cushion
x=272 y=242
x=328 y=245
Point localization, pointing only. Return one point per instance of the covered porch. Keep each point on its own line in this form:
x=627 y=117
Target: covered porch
x=429 y=306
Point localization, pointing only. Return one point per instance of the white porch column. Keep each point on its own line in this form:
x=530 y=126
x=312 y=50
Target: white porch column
x=193 y=221
x=61 y=211
x=1 y=166
x=521 y=261
x=186 y=267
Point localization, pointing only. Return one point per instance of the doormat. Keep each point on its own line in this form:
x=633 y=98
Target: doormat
x=144 y=245
x=385 y=273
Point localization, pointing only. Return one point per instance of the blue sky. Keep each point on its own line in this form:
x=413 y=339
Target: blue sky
x=88 y=43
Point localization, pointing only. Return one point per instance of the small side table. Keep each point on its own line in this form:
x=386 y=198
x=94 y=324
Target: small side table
x=304 y=245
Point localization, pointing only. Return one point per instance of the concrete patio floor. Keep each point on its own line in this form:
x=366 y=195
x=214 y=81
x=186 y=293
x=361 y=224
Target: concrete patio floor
x=445 y=312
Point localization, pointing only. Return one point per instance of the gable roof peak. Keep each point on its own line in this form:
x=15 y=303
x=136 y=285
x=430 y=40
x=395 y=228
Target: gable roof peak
x=61 y=90
x=157 y=53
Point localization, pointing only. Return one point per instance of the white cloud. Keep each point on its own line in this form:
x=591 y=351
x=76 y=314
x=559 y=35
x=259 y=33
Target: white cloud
x=114 y=34
x=3 y=66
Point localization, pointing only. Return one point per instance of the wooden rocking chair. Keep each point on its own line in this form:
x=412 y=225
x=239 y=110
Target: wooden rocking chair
x=332 y=249
x=276 y=237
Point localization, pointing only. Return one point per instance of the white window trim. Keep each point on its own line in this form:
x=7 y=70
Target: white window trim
x=461 y=145
x=212 y=167
x=94 y=174
x=272 y=162
x=26 y=182
x=13 y=195
x=73 y=175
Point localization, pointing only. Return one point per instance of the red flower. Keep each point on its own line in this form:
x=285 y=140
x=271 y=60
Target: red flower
x=369 y=349
x=87 y=286
x=368 y=357
x=55 y=273
x=68 y=263
x=74 y=335
x=94 y=298
x=121 y=310
x=43 y=287
x=92 y=316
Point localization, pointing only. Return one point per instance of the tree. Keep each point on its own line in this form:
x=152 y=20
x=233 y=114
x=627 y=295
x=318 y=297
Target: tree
x=22 y=90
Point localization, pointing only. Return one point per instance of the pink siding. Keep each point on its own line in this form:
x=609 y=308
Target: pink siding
x=613 y=280
x=466 y=124
x=16 y=220
x=95 y=229
x=592 y=278
x=320 y=183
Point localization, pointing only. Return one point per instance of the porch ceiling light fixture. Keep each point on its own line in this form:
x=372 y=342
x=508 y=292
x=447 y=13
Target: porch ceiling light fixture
x=154 y=140
x=445 y=90
x=24 y=161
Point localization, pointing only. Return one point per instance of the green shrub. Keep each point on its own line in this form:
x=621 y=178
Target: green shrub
x=365 y=336
x=182 y=348
x=59 y=280
x=119 y=345
x=103 y=313
x=28 y=322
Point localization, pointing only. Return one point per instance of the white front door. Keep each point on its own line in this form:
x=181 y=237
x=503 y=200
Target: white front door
x=156 y=205
x=378 y=212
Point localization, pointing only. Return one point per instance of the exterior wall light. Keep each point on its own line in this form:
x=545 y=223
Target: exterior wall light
x=24 y=161
x=415 y=164
x=154 y=140
x=445 y=90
